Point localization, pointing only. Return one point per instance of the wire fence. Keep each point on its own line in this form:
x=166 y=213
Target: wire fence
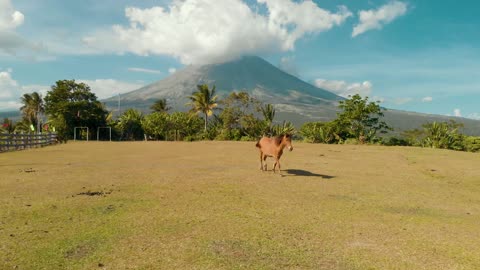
x=20 y=141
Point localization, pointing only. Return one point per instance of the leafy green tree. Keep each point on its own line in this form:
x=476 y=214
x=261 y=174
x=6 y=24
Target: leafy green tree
x=59 y=125
x=414 y=137
x=185 y=125
x=160 y=106
x=156 y=125
x=252 y=127
x=69 y=104
x=235 y=108
x=361 y=119
x=32 y=107
x=204 y=101
x=130 y=125
x=472 y=144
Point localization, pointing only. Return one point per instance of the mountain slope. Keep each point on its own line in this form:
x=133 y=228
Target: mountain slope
x=251 y=74
x=295 y=100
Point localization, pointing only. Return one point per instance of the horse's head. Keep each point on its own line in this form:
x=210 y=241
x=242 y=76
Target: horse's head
x=287 y=141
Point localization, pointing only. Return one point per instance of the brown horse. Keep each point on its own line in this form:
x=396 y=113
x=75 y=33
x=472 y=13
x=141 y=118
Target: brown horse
x=273 y=147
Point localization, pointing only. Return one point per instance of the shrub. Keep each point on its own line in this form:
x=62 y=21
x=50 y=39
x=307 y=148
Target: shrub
x=471 y=143
x=351 y=141
x=394 y=141
x=443 y=135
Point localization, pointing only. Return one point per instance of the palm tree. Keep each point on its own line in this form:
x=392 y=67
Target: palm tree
x=22 y=126
x=160 y=106
x=204 y=101
x=33 y=106
x=268 y=112
x=442 y=135
x=284 y=128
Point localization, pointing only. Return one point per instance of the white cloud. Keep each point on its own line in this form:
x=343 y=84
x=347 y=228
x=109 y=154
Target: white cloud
x=11 y=43
x=9 y=20
x=402 y=100
x=287 y=64
x=375 y=19
x=42 y=89
x=8 y=86
x=145 y=70
x=378 y=99
x=10 y=105
x=427 y=99
x=105 y=88
x=457 y=113
x=9 y=17
x=172 y=70
x=11 y=91
x=475 y=116
x=208 y=31
x=345 y=89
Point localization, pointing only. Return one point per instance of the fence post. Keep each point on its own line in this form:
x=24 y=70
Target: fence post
x=13 y=142
x=19 y=139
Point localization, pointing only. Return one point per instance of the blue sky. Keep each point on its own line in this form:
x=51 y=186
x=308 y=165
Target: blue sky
x=412 y=55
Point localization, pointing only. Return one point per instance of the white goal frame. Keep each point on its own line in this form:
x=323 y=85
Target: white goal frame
x=75 y=132
x=109 y=130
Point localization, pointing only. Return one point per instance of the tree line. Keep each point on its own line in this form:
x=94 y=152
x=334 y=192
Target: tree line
x=238 y=116
x=70 y=104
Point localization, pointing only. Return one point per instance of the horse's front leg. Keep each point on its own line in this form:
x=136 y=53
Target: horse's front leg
x=275 y=165
x=261 y=160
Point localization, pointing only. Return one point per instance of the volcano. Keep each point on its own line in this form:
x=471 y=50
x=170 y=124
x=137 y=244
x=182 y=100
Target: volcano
x=294 y=99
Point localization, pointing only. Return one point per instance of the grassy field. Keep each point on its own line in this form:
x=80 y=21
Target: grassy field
x=206 y=205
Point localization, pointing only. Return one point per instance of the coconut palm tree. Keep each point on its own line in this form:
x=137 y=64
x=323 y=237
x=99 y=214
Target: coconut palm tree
x=160 y=106
x=268 y=112
x=33 y=106
x=204 y=101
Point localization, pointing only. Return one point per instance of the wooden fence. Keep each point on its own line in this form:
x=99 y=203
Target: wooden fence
x=21 y=141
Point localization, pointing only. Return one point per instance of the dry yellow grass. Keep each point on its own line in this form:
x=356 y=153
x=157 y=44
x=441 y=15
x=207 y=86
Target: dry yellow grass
x=206 y=205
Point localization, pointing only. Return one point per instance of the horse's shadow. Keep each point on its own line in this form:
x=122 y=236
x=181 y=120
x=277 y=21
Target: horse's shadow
x=295 y=172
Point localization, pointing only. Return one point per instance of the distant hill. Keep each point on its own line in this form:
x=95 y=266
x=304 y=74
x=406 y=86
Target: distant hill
x=12 y=115
x=295 y=100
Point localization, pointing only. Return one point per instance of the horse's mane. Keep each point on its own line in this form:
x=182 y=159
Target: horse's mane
x=278 y=140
